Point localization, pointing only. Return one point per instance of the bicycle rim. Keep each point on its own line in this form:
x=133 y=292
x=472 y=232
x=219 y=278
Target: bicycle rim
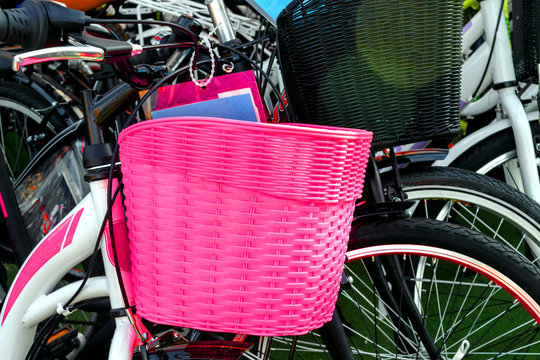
x=506 y=167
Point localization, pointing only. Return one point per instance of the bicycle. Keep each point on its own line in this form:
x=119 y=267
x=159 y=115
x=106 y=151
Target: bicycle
x=101 y=290
x=41 y=125
x=493 y=144
x=443 y=190
x=484 y=197
x=507 y=147
x=481 y=186
x=39 y=106
x=490 y=149
x=519 y=204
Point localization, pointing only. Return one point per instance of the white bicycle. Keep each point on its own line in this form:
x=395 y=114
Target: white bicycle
x=430 y=301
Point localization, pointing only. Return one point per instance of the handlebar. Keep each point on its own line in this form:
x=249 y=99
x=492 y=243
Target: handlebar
x=37 y=23
x=87 y=53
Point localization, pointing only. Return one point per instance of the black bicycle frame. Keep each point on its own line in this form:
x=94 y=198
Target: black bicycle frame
x=388 y=273
x=16 y=243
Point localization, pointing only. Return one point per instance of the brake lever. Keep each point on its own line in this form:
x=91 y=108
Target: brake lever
x=87 y=53
x=114 y=50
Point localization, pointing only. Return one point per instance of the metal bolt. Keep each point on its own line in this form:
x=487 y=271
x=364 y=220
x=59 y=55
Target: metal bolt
x=36 y=137
x=228 y=68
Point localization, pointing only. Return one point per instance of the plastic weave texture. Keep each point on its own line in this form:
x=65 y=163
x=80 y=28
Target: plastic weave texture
x=524 y=38
x=385 y=66
x=237 y=226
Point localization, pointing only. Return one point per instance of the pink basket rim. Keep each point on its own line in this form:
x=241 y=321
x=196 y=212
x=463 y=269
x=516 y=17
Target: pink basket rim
x=291 y=128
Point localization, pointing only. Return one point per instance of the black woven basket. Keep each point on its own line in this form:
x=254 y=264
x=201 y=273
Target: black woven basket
x=524 y=38
x=391 y=67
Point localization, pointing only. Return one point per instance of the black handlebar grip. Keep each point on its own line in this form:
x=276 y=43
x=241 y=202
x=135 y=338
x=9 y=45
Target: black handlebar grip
x=26 y=26
x=37 y=22
x=3 y=25
x=61 y=17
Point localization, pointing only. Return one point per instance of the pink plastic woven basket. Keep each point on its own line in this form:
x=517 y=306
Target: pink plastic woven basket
x=237 y=226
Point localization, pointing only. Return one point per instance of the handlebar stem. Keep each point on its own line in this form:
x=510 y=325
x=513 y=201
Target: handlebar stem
x=220 y=18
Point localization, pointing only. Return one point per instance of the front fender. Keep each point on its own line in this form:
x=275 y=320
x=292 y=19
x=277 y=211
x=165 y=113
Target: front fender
x=477 y=137
x=416 y=156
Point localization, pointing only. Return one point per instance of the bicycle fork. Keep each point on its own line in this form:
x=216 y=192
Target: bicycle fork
x=390 y=283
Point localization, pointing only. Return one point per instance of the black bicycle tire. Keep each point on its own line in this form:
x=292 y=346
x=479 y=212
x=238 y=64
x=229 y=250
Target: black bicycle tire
x=23 y=94
x=497 y=197
x=492 y=148
x=430 y=232
x=55 y=116
x=469 y=180
x=444 y=236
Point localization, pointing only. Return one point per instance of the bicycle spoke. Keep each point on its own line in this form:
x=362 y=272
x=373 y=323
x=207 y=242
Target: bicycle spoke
x=463 y=214
x=383 y=322
x=4 y=153
x=24 y=132
x=2 y=132
x=515 y=338
x=477 y=307
x=476 y=219
x=512 y=174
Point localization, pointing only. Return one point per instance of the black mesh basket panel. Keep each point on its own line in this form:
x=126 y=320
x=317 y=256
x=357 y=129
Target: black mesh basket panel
x=524 y=37
x=391 y=67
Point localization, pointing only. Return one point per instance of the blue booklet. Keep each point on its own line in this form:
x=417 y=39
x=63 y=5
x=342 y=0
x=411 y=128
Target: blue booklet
x=231 y=96
x=239 y=107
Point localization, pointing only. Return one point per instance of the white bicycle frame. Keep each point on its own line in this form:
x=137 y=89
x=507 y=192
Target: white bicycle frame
x=32 y=298
x=501 y=71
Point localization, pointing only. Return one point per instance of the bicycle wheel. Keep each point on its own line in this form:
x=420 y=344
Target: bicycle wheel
x=472 y=297
x=27 y=122
x=475 y=201
x=497 y=157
